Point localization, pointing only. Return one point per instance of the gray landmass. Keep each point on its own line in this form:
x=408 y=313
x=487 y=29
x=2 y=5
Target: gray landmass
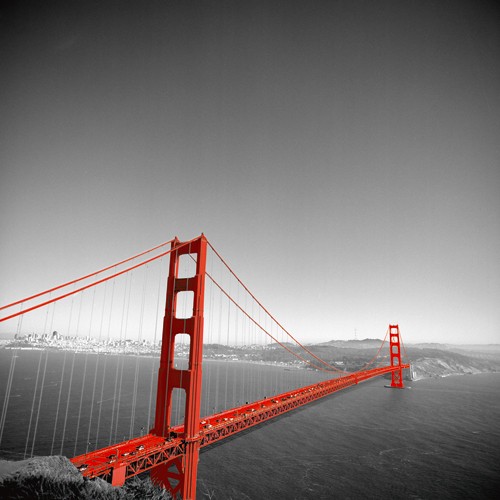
x=426 y=359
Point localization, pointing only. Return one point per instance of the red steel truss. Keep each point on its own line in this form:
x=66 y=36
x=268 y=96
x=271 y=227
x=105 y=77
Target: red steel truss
x=122 y=461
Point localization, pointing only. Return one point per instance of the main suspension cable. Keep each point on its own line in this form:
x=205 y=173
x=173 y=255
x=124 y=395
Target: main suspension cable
x=87 y=276
x=366 y=365
x=263 y=329
x=269 y=314
x=81 y=289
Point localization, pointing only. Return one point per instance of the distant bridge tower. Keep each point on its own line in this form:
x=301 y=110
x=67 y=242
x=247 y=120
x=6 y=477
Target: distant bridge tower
x=178 y=476
x=395 y=350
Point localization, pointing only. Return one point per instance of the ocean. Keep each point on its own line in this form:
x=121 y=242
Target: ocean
x=438 y=438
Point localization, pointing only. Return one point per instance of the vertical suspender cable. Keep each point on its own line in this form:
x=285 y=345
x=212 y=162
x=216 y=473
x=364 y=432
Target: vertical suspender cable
x=169 y=343
x=136 y=375
x=43 y=384
x=84 y=378
x=118 y=358
x=33 y=403
x=120 y=389
x=151 y=384
x=8 y=388
x=71 y=378
x=235 y=340
x=227 y=345
x=219 y=342
x=10 y=378
x=46 y=355
x=96 y=370
x=43 y=354
x=104 y=370
x=61 y=381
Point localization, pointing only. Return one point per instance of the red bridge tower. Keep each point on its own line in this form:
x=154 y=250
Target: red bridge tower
x=395 y=350
x=178 y=476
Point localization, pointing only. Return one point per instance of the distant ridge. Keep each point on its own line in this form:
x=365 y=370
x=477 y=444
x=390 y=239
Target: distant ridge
x=353 y=344
x=458 y=347
x=370 y=343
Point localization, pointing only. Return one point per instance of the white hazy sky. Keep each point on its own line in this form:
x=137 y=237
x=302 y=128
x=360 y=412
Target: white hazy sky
x=343 y=156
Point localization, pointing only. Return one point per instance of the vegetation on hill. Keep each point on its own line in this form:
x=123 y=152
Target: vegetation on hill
x=55 y=477
x=445 y=361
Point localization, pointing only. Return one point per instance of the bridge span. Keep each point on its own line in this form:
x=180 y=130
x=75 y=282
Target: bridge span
x=170 y=451
x=124 y=460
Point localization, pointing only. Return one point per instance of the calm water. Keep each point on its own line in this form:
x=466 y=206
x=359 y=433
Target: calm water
x=85 y=401
x=438 y=439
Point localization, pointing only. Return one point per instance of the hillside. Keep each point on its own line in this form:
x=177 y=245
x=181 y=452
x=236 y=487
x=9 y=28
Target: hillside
x=427 y=360
x=55 y=477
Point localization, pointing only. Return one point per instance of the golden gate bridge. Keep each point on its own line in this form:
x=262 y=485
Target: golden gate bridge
x=206 y=305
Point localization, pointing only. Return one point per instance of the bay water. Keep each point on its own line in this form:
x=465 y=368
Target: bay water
x=438 y=438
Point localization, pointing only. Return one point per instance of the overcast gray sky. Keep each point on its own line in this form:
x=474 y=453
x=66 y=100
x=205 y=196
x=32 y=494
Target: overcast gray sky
x=343 y=156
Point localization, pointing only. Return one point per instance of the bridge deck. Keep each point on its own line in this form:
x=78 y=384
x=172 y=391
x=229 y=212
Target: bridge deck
x=138 y=455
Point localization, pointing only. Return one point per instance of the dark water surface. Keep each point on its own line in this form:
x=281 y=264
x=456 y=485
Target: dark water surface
x=67 y=403
x=440 y=438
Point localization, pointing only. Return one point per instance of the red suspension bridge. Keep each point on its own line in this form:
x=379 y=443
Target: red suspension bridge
x=207 y=309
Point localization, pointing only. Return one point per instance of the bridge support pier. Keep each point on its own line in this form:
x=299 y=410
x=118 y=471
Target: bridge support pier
x=170 y=476
x=395 y=350
x=118 y=476
x=179 y=475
